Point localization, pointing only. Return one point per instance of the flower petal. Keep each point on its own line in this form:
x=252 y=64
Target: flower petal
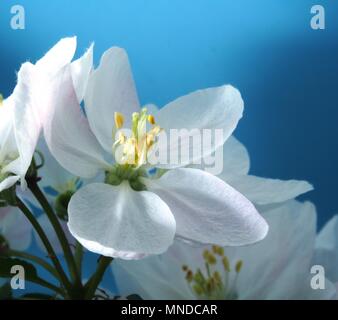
x=326 y=253
x=213 y=108
x=8 y=182
x=230 y=160
x=157 y=277
x=119 y=222
x=264 y=191
x=27 y=125
x=29 y=99
x=57 y=57
x=208 y=210
x=110 y=89
x=81 y=69
x=283 y=258
x=67 y=132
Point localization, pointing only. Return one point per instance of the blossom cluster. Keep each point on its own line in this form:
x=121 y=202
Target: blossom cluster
x=77 y=146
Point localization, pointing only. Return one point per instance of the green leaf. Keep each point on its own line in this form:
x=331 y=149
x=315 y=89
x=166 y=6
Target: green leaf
x=6 y=264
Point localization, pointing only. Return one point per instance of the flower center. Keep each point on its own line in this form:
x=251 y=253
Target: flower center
x=210 y=283
x=132 y=146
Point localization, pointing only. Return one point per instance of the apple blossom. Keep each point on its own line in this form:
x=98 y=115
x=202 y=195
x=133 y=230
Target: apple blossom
x=133 y=213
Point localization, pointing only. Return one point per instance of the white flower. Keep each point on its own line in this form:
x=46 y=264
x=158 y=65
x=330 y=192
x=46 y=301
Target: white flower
x=15 y=228
x=278 y=267
x=20 y=114
x=130 y=215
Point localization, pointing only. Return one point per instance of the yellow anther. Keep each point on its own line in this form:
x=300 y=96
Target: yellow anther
x=206 y=254
x=198 y=277
x=211 y=259
x=119 y=120
x=151 y=119
x=1 y=100
x=226 y=264
x=218 y=250
x=238 y=266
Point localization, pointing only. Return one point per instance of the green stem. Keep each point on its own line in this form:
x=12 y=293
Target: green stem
x=96 y=278
x=35 y=259
x=58 y=230
x=47 y=285
x=62 y=276
x=79 y=258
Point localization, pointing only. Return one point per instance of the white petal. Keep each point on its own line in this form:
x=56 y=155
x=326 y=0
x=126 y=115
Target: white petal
x=156 y=277
x=81 y=69
x=327 y=249
x=67 y=132
x=208 y=210
x=275 y=268
x=16 y=229
x=264 y=191
x=120 y=222
x=27 y=125
x=279 y=266
x=56 y=58
x=52 y=237
x=110 y=89
x=229 y=160
x=30 y=97
x=213 y=108
x=8 y=182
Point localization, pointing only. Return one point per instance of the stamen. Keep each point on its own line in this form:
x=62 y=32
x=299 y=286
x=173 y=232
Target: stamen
x=212 y=284
x=119 y=120
x=135 y=148
x=226 y=264
x=1 y=100
x=151 y=119
x=218 y=250
x=238 y=266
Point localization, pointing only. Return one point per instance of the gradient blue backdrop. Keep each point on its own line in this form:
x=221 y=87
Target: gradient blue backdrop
x=286 y=72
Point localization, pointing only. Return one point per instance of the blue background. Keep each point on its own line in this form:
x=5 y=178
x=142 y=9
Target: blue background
x=286 y=72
